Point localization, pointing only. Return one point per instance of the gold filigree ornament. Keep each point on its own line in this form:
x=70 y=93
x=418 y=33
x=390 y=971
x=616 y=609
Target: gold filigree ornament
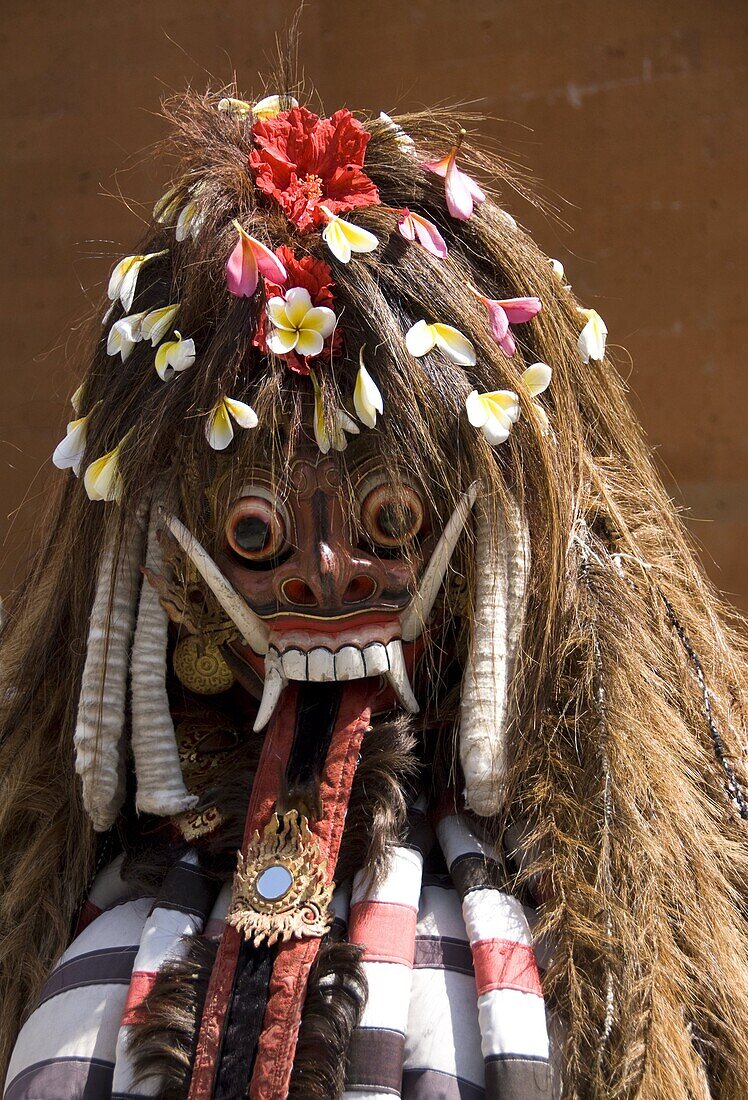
x=280 y=888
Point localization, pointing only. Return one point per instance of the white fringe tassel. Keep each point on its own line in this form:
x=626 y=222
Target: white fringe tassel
x=503 y=559
x=99 y=755
x=160 y=786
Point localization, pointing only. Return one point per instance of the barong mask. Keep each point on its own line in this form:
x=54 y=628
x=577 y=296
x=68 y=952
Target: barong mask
x=355 y=445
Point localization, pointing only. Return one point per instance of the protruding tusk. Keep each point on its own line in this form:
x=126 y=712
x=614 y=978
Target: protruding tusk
x=253 y=630
x=275 y=682
x=398 y=678
x=416 y=615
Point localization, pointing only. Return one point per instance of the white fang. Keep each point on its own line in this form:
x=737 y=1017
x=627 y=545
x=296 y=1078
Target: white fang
x=253 y=630
x=416 y=615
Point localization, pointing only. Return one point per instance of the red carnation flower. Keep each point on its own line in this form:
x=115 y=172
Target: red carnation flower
x=316 y=277
x=303 y=161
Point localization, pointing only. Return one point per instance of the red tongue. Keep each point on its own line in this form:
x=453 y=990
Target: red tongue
x=277 y=1043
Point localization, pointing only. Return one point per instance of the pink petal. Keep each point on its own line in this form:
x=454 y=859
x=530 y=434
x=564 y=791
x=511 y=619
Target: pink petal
x=406 y=226
x=507 y=344
x=519 y=310
x=475 y=191
x=457 y=192
x=439 y=167
x=429 y=236
x=242 y=274
x=268 y=263
x=497 y=319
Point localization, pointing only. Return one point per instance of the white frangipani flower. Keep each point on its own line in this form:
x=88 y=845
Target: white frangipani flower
x=341 y=422
x=68 y=454
x=494 y=413
x=591 y=342
x=158 y=322
x=536 y=379
x=77 y=398
x=367 y=399
x=174 y=356
x=124 y=279
x=189 y=221
x=219 y=429
x=343 y=238
x=125 y=334
x=272 y=105
x=558 y=270
x=297 y=324
x=423 y=338
x=167 y=206
x=102 y=478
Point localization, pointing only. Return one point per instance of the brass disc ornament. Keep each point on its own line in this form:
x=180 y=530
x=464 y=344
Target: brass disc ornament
x=280 y=888
x=199 y=664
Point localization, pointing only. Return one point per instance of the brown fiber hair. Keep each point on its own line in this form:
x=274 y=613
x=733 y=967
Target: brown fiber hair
x=626 y=772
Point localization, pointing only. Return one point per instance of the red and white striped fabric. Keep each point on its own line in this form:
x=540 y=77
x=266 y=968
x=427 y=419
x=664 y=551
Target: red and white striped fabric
x=511 y=1009
x=383 y=919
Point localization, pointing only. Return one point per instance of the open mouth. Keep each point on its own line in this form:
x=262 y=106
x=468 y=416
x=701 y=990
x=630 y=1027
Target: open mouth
x=315 y=655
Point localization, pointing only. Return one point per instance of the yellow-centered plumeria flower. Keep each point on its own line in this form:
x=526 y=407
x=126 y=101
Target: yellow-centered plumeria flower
x=102 y=478
x=297 y=324
x=268 y=107
x=219 y=429
x=536 y=379
x=189 y=221
x=125 y=334
x=68 y=454
x=367 y=400
x=343 y=238
x=158 y=322
x=167 y=207
x=494 y=413
x=558 y=270
x=77 y=398
x=124 y=278
x=341 y=423
x=591 y=342
x=423 y=338
x=174 y=356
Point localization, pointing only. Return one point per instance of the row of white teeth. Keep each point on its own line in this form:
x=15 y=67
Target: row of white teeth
x=321 y=665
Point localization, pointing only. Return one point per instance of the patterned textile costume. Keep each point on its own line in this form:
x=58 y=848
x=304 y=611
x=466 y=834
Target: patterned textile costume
x=369 y=717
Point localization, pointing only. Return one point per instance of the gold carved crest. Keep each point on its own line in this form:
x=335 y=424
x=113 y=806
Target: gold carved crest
x=280 y=888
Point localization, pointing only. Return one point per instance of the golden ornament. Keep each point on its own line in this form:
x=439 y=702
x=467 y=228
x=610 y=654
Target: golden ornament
x=280 y=888
x=199 y=664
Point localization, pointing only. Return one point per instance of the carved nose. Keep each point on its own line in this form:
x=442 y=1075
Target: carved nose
x=297 y=592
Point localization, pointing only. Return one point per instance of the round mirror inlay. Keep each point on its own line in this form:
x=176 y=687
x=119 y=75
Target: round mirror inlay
x=274 y=882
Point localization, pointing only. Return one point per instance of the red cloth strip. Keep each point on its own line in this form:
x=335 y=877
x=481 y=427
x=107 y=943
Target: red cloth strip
x=271 y=768
x=277 y=1045
x=385 y=928
x=141 y=987
x=504 y=964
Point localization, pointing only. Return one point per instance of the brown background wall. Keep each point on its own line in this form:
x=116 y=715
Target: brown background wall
x=633 y=110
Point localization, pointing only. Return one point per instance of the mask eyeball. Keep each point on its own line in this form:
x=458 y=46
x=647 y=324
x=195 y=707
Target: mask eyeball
x=393 y=516
x=257 y=530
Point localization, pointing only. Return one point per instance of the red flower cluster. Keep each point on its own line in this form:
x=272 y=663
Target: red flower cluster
x=316 y=277
x=303 y=162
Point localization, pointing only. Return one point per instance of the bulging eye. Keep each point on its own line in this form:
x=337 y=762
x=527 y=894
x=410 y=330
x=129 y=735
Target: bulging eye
x=393 y=516
x=257 y=530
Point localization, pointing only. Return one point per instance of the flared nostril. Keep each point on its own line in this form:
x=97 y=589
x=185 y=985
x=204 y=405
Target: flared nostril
x=360 y=588
x=296 y=591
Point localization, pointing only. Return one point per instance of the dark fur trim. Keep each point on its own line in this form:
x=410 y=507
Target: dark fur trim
x=335 y=999
x=163 y=1046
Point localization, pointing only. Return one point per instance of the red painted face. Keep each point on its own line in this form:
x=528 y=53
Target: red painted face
x=329 y=568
